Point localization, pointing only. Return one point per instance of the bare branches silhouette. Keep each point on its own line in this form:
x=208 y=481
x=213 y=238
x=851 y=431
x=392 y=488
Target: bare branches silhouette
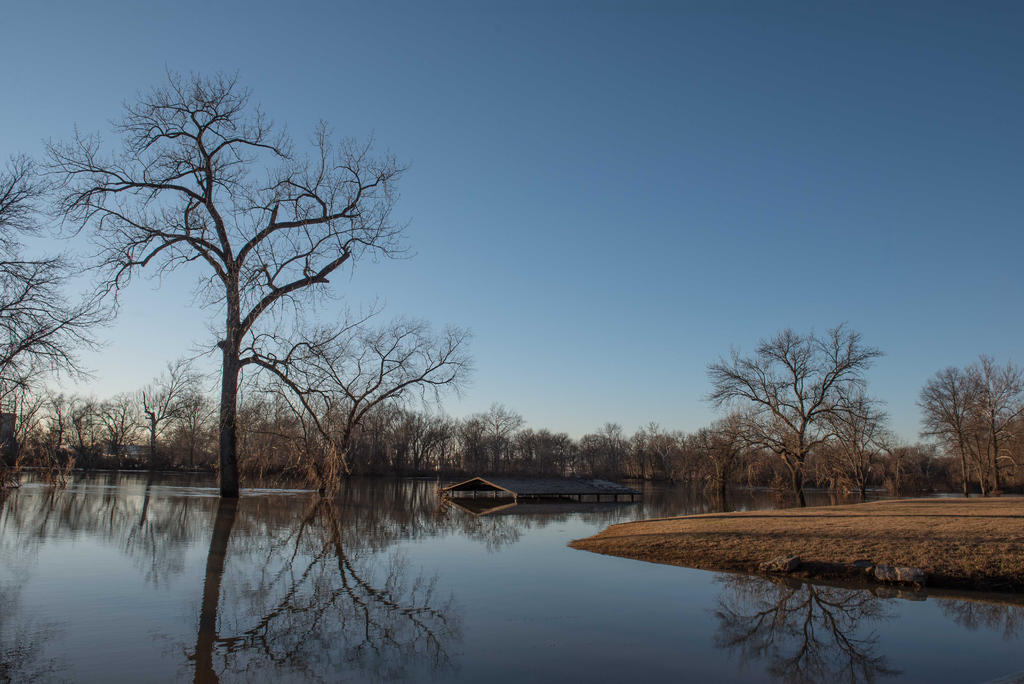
x=203 y=180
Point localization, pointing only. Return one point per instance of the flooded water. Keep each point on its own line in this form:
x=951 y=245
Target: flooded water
x=124 y=578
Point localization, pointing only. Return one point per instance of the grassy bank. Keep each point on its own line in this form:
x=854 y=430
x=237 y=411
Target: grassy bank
x=963 y=544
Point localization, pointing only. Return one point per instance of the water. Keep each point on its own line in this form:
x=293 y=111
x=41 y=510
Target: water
x=124 y=578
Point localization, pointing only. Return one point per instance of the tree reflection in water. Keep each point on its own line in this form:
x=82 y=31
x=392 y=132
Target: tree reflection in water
x=206 y=638
x=25 y=649
x=316 y=606
x=806 y=632
x=1006 y=618
x=296 y=587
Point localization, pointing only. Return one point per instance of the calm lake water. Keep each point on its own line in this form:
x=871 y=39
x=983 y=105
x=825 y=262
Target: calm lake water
x=121 y=577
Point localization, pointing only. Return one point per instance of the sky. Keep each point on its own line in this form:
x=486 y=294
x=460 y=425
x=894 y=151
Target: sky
x=609 y=195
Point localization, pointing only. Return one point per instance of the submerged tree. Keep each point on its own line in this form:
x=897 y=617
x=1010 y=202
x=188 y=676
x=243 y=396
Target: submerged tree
x=721 y=446
x=338 y=376
x=860 y=441
x=790 y=388
x=203 y=181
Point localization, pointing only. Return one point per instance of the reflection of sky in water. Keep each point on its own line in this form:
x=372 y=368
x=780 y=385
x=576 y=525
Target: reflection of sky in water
x=116 y=600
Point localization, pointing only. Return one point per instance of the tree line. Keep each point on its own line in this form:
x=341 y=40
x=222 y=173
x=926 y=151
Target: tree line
x=172 y=424
x=803 y=398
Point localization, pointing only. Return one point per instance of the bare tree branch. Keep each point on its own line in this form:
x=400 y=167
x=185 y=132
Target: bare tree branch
x=40 y=330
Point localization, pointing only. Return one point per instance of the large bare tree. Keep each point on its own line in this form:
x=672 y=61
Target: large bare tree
x=202 y=180
x=790 y=387
x=41 y=330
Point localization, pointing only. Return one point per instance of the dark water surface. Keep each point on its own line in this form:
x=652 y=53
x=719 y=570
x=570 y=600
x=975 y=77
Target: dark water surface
x=124 y=578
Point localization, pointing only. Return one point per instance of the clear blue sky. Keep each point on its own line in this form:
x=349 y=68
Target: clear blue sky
x=610 y=195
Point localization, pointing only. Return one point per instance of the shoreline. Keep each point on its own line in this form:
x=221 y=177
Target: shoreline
x=972 y=545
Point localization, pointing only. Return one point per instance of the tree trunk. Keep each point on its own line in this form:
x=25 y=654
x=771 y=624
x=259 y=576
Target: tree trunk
x=798 y=485
x=228 y=422
x=996 y=489
x=152 y=443
x=963 y=471
x=995 y=455
x=899 y=475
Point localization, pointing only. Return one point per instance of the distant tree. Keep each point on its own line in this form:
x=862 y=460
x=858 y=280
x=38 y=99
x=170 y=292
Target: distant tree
x=789 y=389
x=473 y=444
x=58 y=412
x=657 y=452
x=425 y=436
x=120 y=421
x=914 y=468
x=29 y=432
x=999 y=397
x=85 y=427
x=860 y=441
x=976 y=412
x=602 y=454
x=203 y=180
x=945 y=402
x=721 y=447
x=543 y=452
x=196 y=417
x=163 y=401
x=500 y=424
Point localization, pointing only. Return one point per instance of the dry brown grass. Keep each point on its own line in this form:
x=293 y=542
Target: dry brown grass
x=968 y=544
